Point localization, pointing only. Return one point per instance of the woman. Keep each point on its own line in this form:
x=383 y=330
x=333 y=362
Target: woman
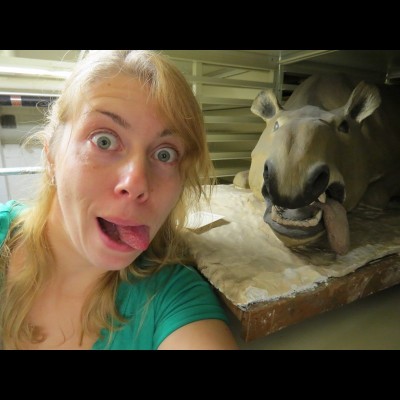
x=98 y=261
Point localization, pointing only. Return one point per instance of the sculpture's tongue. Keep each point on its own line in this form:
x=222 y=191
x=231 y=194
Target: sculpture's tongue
x=337 y=225
x=135 y=236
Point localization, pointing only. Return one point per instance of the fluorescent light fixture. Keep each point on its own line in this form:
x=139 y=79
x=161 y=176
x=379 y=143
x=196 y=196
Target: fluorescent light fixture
x=38 y=72
x=3 y=93
x=21 y=171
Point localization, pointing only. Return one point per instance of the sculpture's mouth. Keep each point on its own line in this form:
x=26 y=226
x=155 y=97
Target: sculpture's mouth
x=302 y=223
x=297 y=226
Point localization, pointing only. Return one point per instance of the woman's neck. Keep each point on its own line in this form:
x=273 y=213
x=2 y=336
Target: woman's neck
x=70 y=270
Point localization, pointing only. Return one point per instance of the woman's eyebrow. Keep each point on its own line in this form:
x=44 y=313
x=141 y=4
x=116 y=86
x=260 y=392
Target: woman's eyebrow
x=116 y=118
x=122 y=122
x=166 y=132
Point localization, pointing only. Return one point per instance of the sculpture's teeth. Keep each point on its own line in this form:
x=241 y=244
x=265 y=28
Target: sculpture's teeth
x=305 y=223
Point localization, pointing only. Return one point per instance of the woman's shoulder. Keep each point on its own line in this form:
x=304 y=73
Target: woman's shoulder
x=175 y=283
x=157 y=305
x=172 y=287
x=167 y=277
x=176 y=272
x=11 y=206
x=8 y=211
x=11 y=209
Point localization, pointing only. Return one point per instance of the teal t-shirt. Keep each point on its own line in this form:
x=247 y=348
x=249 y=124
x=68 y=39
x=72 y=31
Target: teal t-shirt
x=8 y=212
x=158 y=305
x=154 y=306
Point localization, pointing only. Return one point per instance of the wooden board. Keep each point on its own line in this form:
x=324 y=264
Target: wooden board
x=264 y=318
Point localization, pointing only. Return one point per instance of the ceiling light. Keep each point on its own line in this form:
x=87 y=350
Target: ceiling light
x=38 y=72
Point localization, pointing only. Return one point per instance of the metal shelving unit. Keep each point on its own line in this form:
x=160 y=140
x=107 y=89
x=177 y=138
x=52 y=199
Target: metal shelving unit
x=225 y=83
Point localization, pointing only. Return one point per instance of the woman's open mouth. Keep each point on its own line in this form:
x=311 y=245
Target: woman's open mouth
x=136 y=237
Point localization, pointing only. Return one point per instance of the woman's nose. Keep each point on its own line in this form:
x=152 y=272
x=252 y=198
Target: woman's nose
x=133 y=181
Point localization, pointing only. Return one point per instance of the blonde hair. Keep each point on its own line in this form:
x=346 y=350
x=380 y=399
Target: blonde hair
x=178 y=105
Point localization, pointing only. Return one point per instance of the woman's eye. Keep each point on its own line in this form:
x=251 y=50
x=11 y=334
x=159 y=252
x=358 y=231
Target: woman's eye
x=105 y=141
x=166 y=155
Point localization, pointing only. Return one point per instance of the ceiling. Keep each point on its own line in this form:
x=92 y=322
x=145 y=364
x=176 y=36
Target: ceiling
x=43 y=71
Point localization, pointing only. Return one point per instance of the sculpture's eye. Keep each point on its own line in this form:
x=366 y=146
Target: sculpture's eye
x=344 y=127
x=276 y=125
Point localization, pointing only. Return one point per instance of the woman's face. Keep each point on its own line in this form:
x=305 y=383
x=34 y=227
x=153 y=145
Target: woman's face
x=117 y=175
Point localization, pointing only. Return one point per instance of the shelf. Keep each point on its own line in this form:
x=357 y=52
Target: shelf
x=225 y=101
x=237 y=155
x=369 y=279
x=227 y=172
x=222 y=119
x=232 y=137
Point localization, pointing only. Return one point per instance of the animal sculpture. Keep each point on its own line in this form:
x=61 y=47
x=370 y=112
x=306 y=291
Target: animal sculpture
x=334 y=144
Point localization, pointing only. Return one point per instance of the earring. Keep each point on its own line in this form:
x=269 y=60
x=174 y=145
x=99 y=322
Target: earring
x=53 y=181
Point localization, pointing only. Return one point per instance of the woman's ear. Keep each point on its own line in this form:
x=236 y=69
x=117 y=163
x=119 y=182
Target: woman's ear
x=46 y=150
x=48 y=161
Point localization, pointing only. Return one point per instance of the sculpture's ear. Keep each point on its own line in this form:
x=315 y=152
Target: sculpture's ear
x=266 y=105
x=241 y=179
x=363 y=101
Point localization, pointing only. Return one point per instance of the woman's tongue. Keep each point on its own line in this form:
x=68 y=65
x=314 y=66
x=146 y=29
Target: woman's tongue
x=137 y=237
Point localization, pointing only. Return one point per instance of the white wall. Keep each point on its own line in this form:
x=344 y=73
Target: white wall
x=13 y=155
x=3 y=182
x=19 y=187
